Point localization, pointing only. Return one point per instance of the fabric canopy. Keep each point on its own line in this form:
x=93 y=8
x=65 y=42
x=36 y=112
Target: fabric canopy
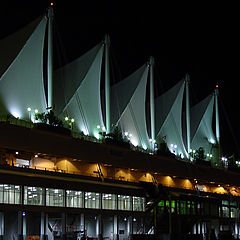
x=201 y=124
x=168 y=116
x=21 y=85
x=77 y=91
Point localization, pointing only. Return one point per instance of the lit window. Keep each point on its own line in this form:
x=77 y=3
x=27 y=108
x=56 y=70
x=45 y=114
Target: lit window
x=92 y=200
x=54 y=197
x=33 y=195
x=108 y=201
x=10 y=194
x=124 y=202
x=138 y=204
x=74 y=198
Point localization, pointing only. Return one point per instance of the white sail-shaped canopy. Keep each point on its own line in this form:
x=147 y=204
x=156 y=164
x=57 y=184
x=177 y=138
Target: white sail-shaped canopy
x=130 y=102
x=168 y=118
x=77 y=91
x=21 y=85
x=201 y=125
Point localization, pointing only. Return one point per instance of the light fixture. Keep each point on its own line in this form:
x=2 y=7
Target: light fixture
x=36 y=110
x=29 y=109
x=72 y=120
x=66 y=118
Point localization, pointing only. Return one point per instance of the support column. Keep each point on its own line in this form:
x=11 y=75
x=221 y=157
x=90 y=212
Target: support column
x=82 y=224
x=64 y=221
x=1 y=225
x=115 y=227
x=99 y=227
x=107 y=84
x=20 y=225
x=129 y=227
x=44 y=226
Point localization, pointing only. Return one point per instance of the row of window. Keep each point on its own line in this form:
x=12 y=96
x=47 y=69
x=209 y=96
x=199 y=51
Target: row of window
x=11 y=194
x=226 y=209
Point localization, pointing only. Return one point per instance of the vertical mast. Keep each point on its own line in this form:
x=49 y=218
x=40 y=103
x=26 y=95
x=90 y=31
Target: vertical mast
x=188 y=113
x=107 y=84
x=217 y=115
x=152 y=106
x=50 y=58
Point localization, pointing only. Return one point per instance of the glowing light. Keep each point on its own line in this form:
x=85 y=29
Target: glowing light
x=72 y=120
x=126 y=134
x=212 y=141
x=217 y=86
x=150 y=140
x=29 y=109
x=85 y=132
x=36 y=110
x=103 y=128
x=16 y=153
x=51 y=3
x=134 y=142
x=36 y=156
x=66 y=118
x=175 y=146
x=98 y=127
x=96 y=135
x=16 y=114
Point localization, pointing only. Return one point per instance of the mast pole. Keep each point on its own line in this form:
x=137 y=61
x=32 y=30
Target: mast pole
x=50 y=58
x=152 y=105
x=107 y=84
x=187 y=80
x=217 y=115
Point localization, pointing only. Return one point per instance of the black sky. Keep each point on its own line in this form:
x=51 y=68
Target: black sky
x=199 y=39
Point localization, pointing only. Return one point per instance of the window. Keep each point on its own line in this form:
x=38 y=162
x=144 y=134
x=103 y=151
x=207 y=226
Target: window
x=109 y=201
x=138 y=204
x=124 y=202
x=10 y=194
x=233 y=212
x=55 y=197
x=33 y=195
x=74 y=198
x=225 y=211
x=92 y=200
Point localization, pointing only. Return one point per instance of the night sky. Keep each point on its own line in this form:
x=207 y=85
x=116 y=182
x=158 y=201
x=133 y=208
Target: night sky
x=199 y=39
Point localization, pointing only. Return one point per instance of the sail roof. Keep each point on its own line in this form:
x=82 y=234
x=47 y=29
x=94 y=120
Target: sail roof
x=77 y=91
x=168 y=118
x=21 y=85
x=130 y=96
x=201 y=124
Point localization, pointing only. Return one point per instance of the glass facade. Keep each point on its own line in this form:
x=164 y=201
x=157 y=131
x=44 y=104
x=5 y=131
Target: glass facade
x=92 y=200
x=33 y=195
x=74 y=199
x=10 y=194
x=109 y=201
x=39 y=196
x=124 y=202
x=55 y=197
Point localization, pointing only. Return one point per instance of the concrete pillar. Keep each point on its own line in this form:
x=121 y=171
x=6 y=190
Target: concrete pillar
x=64 y=221
x=1 y=225
x=99 y=227
x=129 y=226
x=21 y=225
x=44 y=226
x=115 y=227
